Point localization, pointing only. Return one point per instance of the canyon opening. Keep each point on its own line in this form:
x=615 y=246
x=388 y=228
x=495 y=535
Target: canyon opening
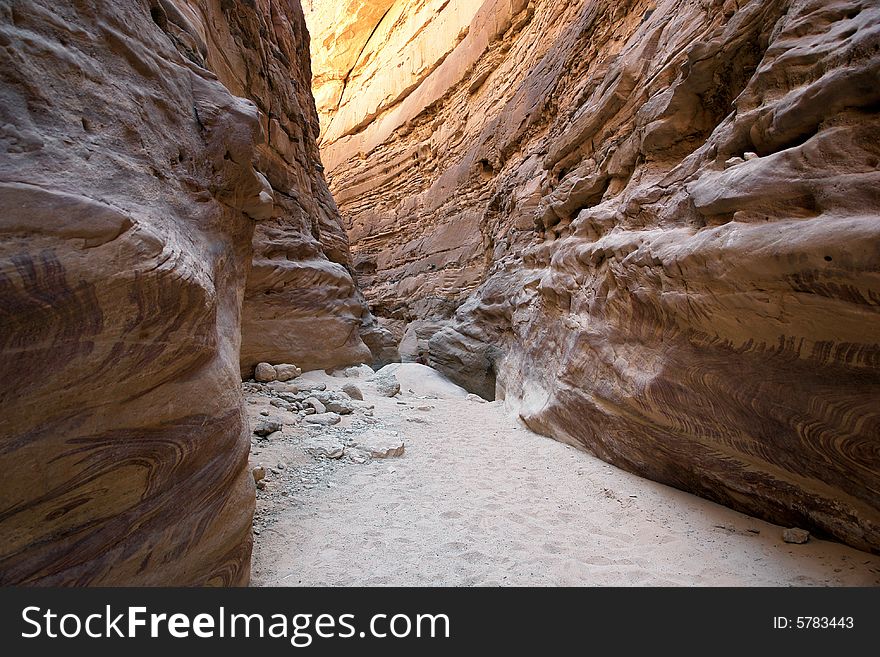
x=440 y=292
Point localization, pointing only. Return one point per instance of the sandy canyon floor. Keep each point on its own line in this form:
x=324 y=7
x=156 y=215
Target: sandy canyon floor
x=478 y=499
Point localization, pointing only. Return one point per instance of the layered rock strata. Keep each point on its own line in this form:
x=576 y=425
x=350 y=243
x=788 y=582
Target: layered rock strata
x=300 y=305
x=651 y=226
x=141 y=141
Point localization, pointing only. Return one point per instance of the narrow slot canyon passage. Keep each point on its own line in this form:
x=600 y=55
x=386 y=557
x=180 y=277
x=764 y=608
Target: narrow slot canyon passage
x=452 y=225
x=439 y=292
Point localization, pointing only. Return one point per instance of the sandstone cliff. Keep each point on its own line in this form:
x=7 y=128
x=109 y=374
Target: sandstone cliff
x=140 y=143
x=300 y=305
x=651 y=226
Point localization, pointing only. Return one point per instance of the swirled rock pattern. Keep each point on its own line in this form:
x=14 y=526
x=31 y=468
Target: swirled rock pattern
x=139 y=143
x=651 y=226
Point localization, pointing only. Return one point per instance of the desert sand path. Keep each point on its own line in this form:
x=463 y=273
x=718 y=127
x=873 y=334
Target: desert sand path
x=478 y=499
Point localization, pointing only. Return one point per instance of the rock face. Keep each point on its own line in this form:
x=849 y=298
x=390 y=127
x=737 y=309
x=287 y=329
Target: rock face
x=140 y=143
x=650 y=226
x=300 y=305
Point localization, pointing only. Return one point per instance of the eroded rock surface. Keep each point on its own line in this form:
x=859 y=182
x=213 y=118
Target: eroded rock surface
x=300 y=305
x=141 y=141
x=651 y=226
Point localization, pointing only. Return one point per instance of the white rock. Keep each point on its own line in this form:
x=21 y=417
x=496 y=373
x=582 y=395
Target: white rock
x=322 y=445
x=356 y=372
x=423 y=381
x=476 y=398
x=381 y=444
x=324 y=419
x=340 y=404
x=386 y=385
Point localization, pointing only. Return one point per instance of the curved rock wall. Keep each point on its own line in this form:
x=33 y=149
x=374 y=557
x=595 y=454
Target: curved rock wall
x=301 y=305
x=132 y=172
x=651 y=226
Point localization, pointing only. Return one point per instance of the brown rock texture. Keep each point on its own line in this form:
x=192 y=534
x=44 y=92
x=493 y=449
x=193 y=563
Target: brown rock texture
x=139 y=142
x=300 y=305
x=651 y=226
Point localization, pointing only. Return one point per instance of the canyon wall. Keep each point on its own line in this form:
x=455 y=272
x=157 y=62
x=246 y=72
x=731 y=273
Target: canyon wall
x=141 y=141
x=300 y=305
x=652 y=227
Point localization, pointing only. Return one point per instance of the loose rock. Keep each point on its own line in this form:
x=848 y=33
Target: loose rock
x=340 y=405
x=324 y=419
x=286 y=372
x=386 y=385
x=353 y=391
x=381 y=444
x=323 y=446
x=265 y=373
x=266 y=427
x=795 y=535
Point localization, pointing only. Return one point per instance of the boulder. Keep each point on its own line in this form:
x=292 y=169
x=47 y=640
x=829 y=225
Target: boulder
x=286 y=372
x=264 y=373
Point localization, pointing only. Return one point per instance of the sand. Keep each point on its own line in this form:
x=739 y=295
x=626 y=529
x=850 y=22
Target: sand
x=479 y=500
